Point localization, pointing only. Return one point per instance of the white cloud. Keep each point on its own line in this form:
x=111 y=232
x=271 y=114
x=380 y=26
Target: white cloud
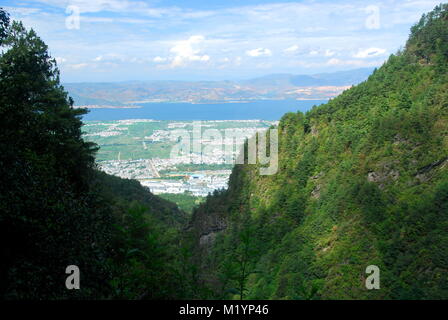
x=322 y=53
x=329 y=53
x=335 y=62
x=23 y=11
x=78 y=66
x=147 y=30
x=99 y=5
x=60 y=60
x=314 y=29
x=291 y=49
x=259 y=52
x=111 y=57
x=184 y=52
x=238 y=61
x=159 y=59
x=357 y=63
x=263 y=65
x=368 y=53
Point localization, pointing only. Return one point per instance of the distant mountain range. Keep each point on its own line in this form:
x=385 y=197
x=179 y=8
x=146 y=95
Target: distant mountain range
x=270 y=87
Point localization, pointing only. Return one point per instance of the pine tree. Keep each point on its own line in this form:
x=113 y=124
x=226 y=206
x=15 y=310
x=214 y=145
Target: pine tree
x=49 y=219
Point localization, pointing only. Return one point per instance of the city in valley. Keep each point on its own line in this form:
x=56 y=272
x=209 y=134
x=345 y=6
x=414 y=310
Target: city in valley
x=145 y=150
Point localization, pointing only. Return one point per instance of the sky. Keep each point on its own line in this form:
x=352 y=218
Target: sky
x=124 y=40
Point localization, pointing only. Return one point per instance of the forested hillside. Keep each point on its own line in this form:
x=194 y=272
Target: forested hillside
x=362 y=180
x=57 y=209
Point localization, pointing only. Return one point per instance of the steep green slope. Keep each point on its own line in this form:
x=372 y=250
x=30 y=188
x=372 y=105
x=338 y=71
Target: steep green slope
x=57 y=210
x=362 y=181
x=120 y=190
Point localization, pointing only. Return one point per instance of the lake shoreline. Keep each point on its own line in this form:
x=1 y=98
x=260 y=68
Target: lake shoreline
x=262 y=109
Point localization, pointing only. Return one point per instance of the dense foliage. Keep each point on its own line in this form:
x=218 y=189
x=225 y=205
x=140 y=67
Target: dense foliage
x=185 y=201
x=57 y=210
x=362 y=181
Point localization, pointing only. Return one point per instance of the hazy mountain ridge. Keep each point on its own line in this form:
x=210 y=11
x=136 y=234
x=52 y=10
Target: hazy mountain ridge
x=270 y=87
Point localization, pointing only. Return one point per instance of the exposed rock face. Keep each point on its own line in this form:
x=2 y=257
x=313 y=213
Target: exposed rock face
x=317 y=176
x=398 y=139
x=316 y=192
x=208 y=239
x=207 y=226
x=386 y=173
x=383 y=175
x=424 y=174
x=210 y=232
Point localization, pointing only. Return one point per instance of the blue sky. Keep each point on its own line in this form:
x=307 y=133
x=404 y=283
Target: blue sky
x=121 y=40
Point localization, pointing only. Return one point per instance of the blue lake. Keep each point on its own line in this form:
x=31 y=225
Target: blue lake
x=263 y=110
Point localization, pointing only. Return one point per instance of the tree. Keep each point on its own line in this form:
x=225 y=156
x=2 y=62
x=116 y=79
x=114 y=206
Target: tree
x=56 y=209
x=245 y=254
x=4 y=24
x=49 y=218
